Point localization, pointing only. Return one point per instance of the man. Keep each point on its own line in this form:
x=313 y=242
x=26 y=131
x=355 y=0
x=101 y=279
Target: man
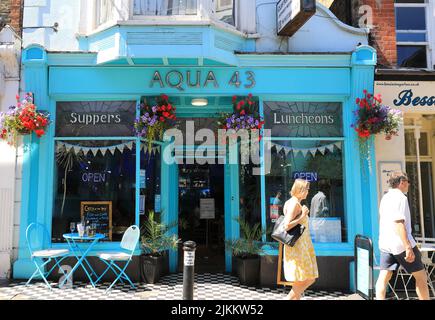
x=319 y=207
x=396 y=243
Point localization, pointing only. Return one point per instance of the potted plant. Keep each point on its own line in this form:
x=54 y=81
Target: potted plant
x=154 y=242
x=22 y=119
x=246 y=252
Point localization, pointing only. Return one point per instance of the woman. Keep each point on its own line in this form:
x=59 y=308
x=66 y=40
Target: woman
x=300 y=265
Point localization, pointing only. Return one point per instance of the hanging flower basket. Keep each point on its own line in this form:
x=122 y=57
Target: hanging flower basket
x=155 y=120
x=372 y=118
x=245 y=115
x=22 y=119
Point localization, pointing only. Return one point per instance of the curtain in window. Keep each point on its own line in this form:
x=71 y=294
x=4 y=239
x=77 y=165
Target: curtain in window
x=165 y=7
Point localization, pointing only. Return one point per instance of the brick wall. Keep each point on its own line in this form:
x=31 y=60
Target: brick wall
x=383 y=35
x=11 y=13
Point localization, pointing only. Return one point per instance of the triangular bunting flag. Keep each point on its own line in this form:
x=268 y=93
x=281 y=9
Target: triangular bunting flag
x=304 y=152
x=330 y=147
x=313 y=152
x=338 y=145
x=85 y=151
x=112 y=150
x=94 y=151
x=77 y=150
x=130 y=145
x=322 y=150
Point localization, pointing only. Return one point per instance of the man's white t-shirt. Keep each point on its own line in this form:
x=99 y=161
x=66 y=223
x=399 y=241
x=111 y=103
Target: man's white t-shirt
x=394 y=206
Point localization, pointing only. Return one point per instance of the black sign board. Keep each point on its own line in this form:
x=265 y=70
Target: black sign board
x=364 y=267
x=99 y=212
x=304 y=119
x=291 y=15
x=95 y=119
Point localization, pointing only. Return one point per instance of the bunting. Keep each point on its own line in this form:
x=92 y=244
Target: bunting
x=313 y=151
x=103 y=150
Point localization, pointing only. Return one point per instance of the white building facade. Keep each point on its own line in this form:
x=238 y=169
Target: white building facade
x=10 y=51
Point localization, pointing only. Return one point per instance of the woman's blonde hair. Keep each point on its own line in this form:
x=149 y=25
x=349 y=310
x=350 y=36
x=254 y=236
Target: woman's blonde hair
x=299 y=187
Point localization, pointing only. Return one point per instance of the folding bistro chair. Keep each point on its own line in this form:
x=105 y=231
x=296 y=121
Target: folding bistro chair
x=127 y=247
x=36 y=236
x=428 y=260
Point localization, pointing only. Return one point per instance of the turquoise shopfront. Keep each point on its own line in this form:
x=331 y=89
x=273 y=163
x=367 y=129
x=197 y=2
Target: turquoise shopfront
x=91 y=154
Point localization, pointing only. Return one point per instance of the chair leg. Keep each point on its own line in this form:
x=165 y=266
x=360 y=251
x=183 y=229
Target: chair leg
x=34 y=274
x=43 y=276
x=121 y=274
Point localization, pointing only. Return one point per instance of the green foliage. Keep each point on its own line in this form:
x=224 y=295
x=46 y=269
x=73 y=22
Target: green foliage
x=154 y=237
x=249 y=245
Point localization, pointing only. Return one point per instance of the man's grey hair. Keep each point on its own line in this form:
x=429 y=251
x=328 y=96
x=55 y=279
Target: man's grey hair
x=396 y=177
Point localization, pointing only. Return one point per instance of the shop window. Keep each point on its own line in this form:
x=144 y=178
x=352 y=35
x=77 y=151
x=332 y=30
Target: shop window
x=410 y=145
x=250 y=195
x=89 y=172
x=321 y=163
x=411 y=34
x=150 y=185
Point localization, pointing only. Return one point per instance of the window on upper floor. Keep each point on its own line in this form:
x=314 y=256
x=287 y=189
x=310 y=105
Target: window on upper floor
x=412 y=33
x=222 y=10
x=104 y=11
x=165 y=7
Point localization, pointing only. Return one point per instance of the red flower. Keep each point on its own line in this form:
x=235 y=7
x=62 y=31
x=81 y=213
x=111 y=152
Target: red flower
x=165 y=97
x=242 y=113
x=162 y=119
x=250 y=95
x=39 y=132
x=234 y=98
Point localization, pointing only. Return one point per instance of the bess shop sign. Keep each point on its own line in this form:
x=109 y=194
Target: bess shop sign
x=407 y=96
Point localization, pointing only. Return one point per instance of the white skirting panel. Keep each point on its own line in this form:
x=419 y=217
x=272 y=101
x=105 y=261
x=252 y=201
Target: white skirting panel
x=6 y=218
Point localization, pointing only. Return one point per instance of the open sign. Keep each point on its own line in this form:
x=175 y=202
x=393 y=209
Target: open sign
x=309 y=176
x=94 y=177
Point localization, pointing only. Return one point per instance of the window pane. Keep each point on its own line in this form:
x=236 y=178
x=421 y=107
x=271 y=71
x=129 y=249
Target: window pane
x=320 y=162
x=411 y=37
x=412 y=56
x=250 y=195
x=94 y=171
x=410 y=18
x=304 y=119
x=409 y=1
x=165 y=7
x=225 y=11
x=410 y=145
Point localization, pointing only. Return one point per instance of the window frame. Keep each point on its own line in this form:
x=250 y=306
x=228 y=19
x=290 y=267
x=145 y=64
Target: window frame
x=427 y=32
x=180 y=17
x=325 y=248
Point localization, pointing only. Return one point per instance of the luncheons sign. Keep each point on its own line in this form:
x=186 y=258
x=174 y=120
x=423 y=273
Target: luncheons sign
x=292 y=15
x=407 y=96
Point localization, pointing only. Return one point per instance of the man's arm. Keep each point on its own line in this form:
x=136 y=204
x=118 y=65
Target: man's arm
x=401 y=231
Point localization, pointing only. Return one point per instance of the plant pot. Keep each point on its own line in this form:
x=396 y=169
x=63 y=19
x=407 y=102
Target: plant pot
x=151 y=268
x=248 y=270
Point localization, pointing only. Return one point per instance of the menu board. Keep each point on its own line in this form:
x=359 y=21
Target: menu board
x=99 y=212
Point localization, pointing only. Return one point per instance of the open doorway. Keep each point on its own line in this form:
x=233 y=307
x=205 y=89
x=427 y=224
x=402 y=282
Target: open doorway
x=202 y=215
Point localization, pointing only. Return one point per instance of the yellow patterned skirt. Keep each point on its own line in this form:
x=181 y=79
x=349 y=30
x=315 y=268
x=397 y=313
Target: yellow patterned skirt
x=300 y=262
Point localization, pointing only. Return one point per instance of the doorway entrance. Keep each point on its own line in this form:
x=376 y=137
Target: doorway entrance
x=201 y=203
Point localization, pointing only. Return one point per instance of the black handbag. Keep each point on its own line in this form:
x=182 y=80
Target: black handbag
x=286 y=237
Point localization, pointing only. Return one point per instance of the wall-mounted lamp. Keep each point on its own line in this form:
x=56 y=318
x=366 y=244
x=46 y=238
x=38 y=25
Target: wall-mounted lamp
x=199 y=102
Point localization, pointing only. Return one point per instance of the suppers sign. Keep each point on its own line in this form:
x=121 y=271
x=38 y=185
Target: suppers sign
x=95 y=118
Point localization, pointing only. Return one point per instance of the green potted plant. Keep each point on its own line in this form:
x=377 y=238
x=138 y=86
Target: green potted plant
x=155 y=242
x=246 y=252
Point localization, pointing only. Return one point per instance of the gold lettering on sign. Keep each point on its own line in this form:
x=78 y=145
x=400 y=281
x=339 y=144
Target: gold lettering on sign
x=211 y=78
x=157 y=78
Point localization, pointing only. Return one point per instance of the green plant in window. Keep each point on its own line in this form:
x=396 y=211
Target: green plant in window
x=66 y=159
x=249 y=244
x=155 y=238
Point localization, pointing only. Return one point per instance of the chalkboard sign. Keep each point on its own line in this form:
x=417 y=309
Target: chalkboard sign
x=364 y=267
x=99 y=212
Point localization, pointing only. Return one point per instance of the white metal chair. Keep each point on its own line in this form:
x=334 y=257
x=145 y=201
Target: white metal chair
x=37 y=236
x=128 y=244
x=428 y=259
x=377 y=267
